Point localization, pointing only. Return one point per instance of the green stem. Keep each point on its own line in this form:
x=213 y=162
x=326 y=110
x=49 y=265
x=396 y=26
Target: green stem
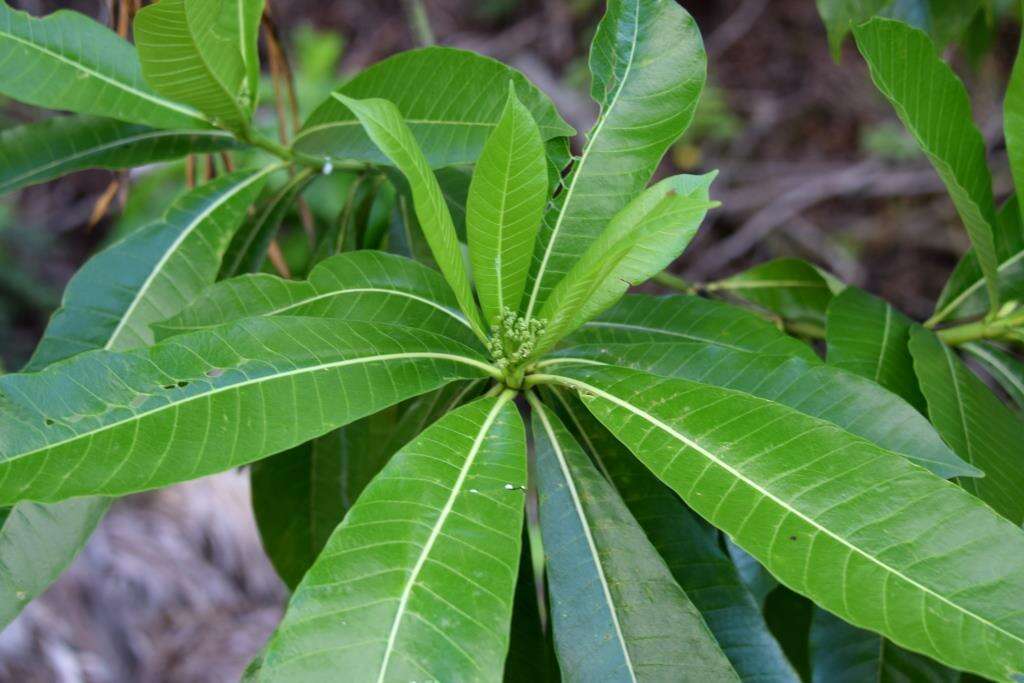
x=1000 y=328
x=667 y=279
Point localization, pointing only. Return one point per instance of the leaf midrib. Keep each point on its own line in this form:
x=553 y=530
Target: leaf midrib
x=409 y=355
x=644 y=415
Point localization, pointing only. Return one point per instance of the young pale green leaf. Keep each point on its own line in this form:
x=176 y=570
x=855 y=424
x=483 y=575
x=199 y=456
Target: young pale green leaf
x=853 y=403
x=616 y=611
x=203 y=53
x=648 y=67
x=964 y=293
x=112 y=423
x=868 y=337
x=383 y=123
x=417 y=582
x=365 y=286
x=644 y=318
x=978 y=426
x=450 y=99
x=792 y=289
x=1004 y=367
x=301 y=495
x=69 y=62
x=841 y=653
x=37 y=152
x=901 y=58
x=504 y=208
x=155 y=271
x=859 y=530
x=690 y=549
x=248 y=248
x=640 y=241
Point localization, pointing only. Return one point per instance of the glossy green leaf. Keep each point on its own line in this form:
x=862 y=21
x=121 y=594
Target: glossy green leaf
x=450 y=99
x=37 y=152
x=639 y=242
x=893 y=548
x=841 y=653
x=504 y=208
x=868 y=337
x=300 y=496
x=113 y=423
x=644 y=318
x=383 y=123
x=790 y=288
x=648 y=67
x=417 y=582
x=901 y=58
x=152 y=273
x=69 y=62
x=247 y=251
x=690 y=549
x=974 y=422
x=964 y=293
x=203 y=53
x=616 y=611
x=366 y=286
x=848 y=401
x=1004 y=367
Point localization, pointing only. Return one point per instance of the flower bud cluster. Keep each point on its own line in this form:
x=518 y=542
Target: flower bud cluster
x=513 y=338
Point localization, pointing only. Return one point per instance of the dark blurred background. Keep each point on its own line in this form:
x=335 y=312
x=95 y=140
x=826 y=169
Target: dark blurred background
x=174 y=587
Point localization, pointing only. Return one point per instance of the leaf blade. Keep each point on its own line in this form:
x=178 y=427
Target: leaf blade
x=684 y=443
x=462 y=468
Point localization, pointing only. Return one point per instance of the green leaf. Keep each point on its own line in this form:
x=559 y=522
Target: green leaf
x=691 y=551
x=106 y=306
x=868 y=337
x=644 y=318
x=792 y=289
x=208 y=401
x=841 y=653
x=37 y=152
x=69 y=62
x=639 y=242
x=901 y=58
x=616 y=611
x=504 y=208
x=789 y=617
x=203 y=53
x=450 y=99
x=300 y=496
x=846 y=400
x=248 y=248
x=839 y=15
x=365 y=286
x=974 y=422
x=417 y=582
x=384 y=125
x=1013 y=122
x=859 y=530
x=964 y=293
x=152 y=273
x=1003 y=366
x=648 y=68
x=37 y=543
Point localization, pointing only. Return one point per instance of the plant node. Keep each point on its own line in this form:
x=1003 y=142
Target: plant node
x=512 y=340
